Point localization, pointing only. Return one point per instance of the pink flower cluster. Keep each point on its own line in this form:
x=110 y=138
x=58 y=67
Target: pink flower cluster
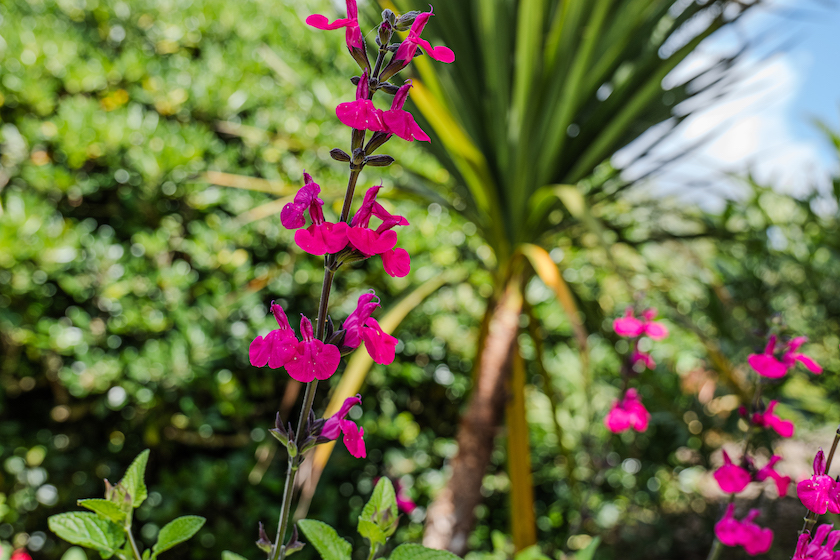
x=768 y=365
x=323 y=237
x=362 y=115
x=745 y=533
x=628 y=412
x=733 y=478
x=818 y=548
x=820 y=493
x=338 y=424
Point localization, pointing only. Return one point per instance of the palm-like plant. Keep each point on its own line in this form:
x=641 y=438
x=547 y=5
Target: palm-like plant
x=542 y=93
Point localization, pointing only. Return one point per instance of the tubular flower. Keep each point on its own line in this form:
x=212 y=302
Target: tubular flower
x=631 y=327
x=360 y=327
x=626 y=413
x=819 y=493
x=337 y=424
x=321 y=237
x=408 y=48
x=767 y=471
x=814 y=549
x=401 y=122
x=353 y=34
x=312 y=358
x=730 y=477
x=278 y=346
x=382 y=241
x=361 y=114
x=768 y=365
x=731 y=532
x=767 y=419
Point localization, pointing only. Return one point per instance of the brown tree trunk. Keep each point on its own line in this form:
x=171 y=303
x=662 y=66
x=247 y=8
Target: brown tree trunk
x=451 y=517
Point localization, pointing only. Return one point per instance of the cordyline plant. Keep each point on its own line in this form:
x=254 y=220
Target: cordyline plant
x=316 y=353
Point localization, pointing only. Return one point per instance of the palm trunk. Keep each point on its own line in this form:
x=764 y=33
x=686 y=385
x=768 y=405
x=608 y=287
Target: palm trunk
x=451 y=517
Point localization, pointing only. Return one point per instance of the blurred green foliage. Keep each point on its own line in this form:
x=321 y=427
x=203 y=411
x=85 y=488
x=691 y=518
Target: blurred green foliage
x=130 y=288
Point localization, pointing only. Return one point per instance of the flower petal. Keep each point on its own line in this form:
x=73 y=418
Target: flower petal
x=380 y=345
x=396 y=262
x=321 y=22
x=767 y=365
x=628 y=327
x=353 y=438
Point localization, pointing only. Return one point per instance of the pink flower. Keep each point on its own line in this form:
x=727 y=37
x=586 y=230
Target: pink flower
x=312 y=358
x=819 y=493
x=730 y=477
x=20 y=554
x=813 y=549
x=731 y=532
x=404 y=501
x=361 y=327
x=337 y=424
x=401 y=122
x=361 y=114
x=767 y=471
x=382 y=241
x=408 y=48
x=768 y=365
x=353 y=34
x=321 y=237
x=278 y=346
x=641 y=357
x=631 y=327
x=629 y=412
x=767 y=419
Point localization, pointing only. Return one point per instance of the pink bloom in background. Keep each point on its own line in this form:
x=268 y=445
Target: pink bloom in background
x=731 y=532
x=321 y=237
x=408 y=48
x=768 y=365
x=401 y=122
x=767 y=419
x=814 y=549
x=782 y=482
x=382 y=240
x=629 y=412
x=631 y=327
x=361 y=327
x=641 y=357
x=353 y=34
x=361 y=114
x=730 y=477
x=312 y=358
x=337 y=424
x=20 y=554
x=278 y=346
x=818 y=493
x=404 y=501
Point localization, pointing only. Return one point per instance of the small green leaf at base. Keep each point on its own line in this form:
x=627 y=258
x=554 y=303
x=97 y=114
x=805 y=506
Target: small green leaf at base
x=378 y=519
x=134 y=482
x=325 y=540
x=228 y=555
x=88 y=530
x=177 y=531
x=419 y=552
x=105 y=508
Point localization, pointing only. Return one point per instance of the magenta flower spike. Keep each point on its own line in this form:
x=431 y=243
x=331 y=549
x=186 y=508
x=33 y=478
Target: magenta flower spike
x=627 y=413
x=745 y=533
x=408 y=48
x=818 y=493
x=818 y=548
x=768 y=419
x=382 y=241
x=631 y=327
x=312 y=359
x=361 y=113
x=767 y=365
x=360 y=328
x=401 y=122
x=278 y=346
x=321 y=237
x=730 y=477
x=353 y=34
x=782 y=482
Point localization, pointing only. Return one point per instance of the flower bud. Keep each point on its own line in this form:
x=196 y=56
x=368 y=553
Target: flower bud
x=404 y=21
x=264 y=543
x=389 y=16
x=385 y=32
x=379 y=161
x=294 y=545
x=339 y=155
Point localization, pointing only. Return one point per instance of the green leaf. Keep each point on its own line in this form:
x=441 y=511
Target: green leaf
x=133 y=479
x=176 y=532
x=88 y=530
x=589 y=552
x=378 y=520
x=325 y=540
x=147 y=554
x=74 y=553
x=228 y=555
x=533 y=552
x=419 y=552
x=105 y=508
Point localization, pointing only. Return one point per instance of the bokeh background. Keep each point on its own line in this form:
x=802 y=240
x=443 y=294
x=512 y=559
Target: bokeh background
x=147 y=148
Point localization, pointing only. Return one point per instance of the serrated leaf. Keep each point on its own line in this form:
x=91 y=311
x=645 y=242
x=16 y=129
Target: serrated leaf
x=228 y=555
x=325 y=540
x=105 y=508
x=134 y=482
x=419 y=552
x=371 y=531
x=378 y=519
x=177 y=531
x=89 y=530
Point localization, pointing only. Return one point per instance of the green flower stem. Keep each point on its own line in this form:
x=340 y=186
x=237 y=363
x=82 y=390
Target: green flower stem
x=717 y=548
x=134 y=548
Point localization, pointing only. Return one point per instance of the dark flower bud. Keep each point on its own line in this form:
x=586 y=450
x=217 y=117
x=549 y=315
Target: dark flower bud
x=308 y=443
x=379 y=161
x=376 y=141
x=394 y=47
x=358 y=156
x=294 y=545
x=385 y=32
x=329 y=328
x=389 y=88
x=337 y=338
x=339 y=155
x=404 y=21
x=389 y=16
x=355 y=80
x=264 y=543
